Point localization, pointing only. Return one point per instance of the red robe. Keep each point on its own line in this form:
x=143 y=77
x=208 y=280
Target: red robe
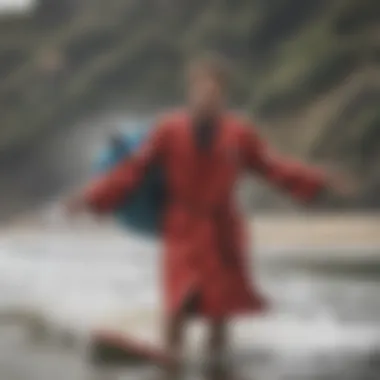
x=203 y=234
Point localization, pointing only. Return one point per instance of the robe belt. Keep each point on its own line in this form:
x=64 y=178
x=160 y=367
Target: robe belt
x=218 y=214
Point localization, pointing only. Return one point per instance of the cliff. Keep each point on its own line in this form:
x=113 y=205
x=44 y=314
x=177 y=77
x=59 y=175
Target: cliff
x=309 y=73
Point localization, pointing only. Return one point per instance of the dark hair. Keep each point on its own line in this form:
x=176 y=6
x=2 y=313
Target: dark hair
x=213 y=64
x=116 y=140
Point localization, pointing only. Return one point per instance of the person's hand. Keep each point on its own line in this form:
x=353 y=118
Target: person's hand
x=342 y=184
x=75 y=205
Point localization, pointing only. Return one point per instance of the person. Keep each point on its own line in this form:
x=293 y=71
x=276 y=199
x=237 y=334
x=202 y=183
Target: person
x=204 y=148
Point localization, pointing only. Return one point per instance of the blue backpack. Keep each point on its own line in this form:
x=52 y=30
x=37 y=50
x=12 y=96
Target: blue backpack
x=143 y=209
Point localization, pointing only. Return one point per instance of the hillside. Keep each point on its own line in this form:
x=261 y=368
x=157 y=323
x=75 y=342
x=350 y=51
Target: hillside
x=308 y=73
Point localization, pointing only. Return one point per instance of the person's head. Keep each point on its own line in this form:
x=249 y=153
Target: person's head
x=207 y=81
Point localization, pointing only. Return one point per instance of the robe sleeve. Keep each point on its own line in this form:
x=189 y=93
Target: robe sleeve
x=302 y=182
x=108 y=191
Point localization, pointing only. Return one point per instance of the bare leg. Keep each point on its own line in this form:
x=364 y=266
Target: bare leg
x=174 y=331
x=218 y=344
x=174 y=335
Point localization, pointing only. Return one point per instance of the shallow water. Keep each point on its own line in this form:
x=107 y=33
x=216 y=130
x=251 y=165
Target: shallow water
x=323 y=327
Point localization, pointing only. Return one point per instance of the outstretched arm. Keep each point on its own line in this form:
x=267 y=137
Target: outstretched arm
x=108 y=191
x=303 y=182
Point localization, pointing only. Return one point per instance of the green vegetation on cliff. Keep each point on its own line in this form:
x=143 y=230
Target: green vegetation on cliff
x=308 y=70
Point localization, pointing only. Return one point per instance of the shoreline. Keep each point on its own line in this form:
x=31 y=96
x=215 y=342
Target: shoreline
x=267 y=230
